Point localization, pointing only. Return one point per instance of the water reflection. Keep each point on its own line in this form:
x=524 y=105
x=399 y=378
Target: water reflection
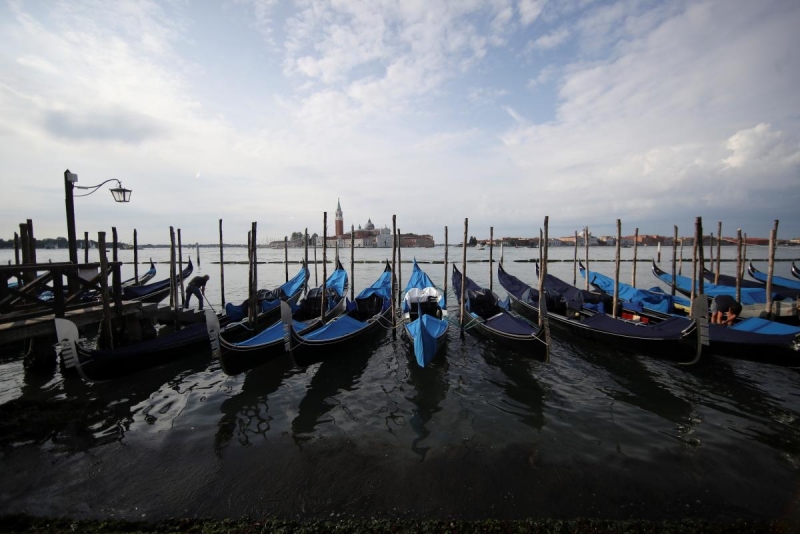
x=430 y=385
x=246 y=415
x=524 y=395
x=339 y=372
x=69 y=414
x=643 y=382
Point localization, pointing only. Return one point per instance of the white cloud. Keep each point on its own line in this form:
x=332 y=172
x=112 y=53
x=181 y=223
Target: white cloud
x=529 y=10
x=550 y=40
x=760 y=144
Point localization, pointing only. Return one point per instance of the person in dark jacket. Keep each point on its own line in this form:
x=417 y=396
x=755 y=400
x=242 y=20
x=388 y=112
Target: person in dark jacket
x=196 y=287
x=725 y=310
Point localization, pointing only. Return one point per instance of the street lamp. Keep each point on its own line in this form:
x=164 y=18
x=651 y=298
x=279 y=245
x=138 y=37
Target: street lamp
x=119 y=193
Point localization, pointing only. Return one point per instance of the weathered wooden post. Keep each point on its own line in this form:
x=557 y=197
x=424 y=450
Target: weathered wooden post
x=324 y=263
x=221 y=267
x=586 y=252
x=744 y=255
x=86 y=247
x=108 y=334
x=286 y=256
x=674 y=252
x=394 y=278
x=693 y=291
x=399 y=270
x=463 y=276
x=680 y=260
x=16 y=248
x=135 y=258
x=543 y=268
x=254 y=294
x=197 y=252
x=635 y=253
x=719 y=251
x=773 y=242
x=738 y=265
x=491 y=242
x=114 y=245
x=445 y=266
x=32 y=243
x=700 y=260
x=180 y=267
x=658 y=252
x=316 y=276
x=173 y=277
x=352 y=262
x=575 y=262
x=615 y=301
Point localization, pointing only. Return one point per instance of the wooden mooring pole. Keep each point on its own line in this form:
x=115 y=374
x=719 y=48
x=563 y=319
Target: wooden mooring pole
x=108 y=334
x=773 y=242
x=738 y=265
x=615 y=301
x=135 y=258
x=352 y=262
x=635 y=251
x=674 y=252
x=399 y=270
x=286 y=256
x=445 y=267
x=491 y=242
x=462 y=306
x=324 y=263
x=394 y=278
x=180 y=267
x=719 y=251
x=221 y=268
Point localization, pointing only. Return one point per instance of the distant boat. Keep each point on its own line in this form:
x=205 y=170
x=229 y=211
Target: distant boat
x=480 y=246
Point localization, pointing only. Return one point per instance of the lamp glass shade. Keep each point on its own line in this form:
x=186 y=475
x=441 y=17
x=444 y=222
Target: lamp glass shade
x=121 y=194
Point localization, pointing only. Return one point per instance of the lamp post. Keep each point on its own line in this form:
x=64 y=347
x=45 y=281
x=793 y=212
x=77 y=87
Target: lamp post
x=119 y=193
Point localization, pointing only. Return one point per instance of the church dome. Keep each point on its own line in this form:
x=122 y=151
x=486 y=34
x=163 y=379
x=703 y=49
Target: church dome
x=369 y=225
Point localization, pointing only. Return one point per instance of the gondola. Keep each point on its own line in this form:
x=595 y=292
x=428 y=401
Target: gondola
x=683 y=285
x=782 y=285
x=105 y=364
x=581 y=314
x=485 y=315
x=146 y=277
x=728 y=280
x=424 y=315
x=237 y=357
x=157 y=291
x=370 y=313
x=795 y=271
x=268 y=305
x=752 y=338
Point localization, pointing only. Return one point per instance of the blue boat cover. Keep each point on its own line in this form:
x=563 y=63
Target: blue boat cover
x=342 y=326
x=134 y=292
x=776 y=280
x=426 y=331
x=271 y=298
x=381 y=287
x=652 y=299
x=270 y=335
x=507 y=323
x=764 y=326
x=749 y=295
x=420 y=280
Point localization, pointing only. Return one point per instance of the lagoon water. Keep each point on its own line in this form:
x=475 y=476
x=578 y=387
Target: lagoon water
x=364 y=432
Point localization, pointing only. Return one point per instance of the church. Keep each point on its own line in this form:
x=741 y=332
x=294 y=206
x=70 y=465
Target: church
x=371 y=237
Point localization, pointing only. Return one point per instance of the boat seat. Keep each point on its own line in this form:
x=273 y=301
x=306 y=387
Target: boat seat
x=369 y=307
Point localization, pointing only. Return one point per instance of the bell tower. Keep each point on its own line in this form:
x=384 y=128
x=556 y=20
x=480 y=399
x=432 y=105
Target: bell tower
x=339 y=219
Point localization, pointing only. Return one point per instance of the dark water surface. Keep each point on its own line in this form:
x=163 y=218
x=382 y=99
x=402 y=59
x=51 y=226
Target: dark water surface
x=364 y=432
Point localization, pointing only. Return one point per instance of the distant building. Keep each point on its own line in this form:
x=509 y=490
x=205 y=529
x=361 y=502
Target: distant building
x=369 y=236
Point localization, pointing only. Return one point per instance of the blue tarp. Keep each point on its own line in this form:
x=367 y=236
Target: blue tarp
x=381 y=287
x=237 y=312
x=749 y=295
x=420 y=280
x=764 y=326
x=649 y=299
x=507 y=323
x=271 y=334
x=341 y=326
x=776 y=280
x=426 y=331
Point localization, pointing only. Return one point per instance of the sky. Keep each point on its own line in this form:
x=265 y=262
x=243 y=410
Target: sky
x=501 y=112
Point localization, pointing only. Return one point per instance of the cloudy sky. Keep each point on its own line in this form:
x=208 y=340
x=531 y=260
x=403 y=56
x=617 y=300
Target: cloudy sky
x=500 y=111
